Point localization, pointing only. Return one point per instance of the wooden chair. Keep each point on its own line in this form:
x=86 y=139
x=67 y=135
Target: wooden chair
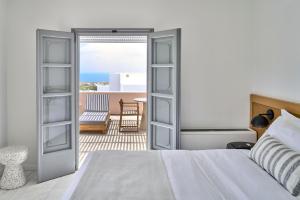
x=128 y=109
x=96 y=115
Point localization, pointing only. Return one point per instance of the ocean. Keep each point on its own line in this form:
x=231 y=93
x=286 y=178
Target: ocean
x=94 y=77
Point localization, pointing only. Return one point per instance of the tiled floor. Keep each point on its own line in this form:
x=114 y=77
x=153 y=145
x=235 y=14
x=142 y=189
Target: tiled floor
x=50 y=190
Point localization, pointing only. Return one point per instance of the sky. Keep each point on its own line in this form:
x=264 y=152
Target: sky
x=113 y=57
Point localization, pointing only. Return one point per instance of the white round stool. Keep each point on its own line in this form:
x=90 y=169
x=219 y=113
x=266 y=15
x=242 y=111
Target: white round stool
x=12 y=157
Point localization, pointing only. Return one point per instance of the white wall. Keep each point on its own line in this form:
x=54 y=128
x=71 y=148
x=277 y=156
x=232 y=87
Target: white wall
x=277 y=49
x=215 y=54
x=2 y=75
x=3 y=135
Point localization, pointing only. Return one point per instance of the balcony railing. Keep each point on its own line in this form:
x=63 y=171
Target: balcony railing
x=114 y=98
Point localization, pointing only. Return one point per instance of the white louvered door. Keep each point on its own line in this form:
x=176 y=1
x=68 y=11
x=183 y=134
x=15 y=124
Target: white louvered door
x=164 y=89
x=55 y=104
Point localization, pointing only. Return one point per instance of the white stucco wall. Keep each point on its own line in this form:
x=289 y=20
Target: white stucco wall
x=277 y=49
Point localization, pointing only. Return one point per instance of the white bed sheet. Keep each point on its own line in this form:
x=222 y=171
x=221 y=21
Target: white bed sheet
x=220 y=175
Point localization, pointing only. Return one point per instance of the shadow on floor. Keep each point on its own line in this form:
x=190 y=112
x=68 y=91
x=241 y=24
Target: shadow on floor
x=112 y=140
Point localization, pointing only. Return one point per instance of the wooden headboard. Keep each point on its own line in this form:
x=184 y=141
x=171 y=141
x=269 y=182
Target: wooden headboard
x=260 y=104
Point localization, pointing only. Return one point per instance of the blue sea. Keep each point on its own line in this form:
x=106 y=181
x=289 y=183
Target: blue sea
x=94 y=77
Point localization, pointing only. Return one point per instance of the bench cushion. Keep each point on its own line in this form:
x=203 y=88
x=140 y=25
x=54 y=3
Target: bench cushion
x=93 y=117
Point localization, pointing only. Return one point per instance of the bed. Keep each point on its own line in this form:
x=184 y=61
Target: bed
x=180 y=175
x=219 y=174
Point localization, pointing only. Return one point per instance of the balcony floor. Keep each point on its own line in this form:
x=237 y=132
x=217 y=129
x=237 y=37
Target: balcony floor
x=112 y=140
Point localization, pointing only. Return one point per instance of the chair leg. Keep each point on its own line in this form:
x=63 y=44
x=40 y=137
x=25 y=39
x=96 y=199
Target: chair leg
x=120 y=123
x=137 y=117
x=105 y=131
x=137 y=123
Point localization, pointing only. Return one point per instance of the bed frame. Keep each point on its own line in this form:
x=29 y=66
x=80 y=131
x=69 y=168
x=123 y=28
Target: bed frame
x=260 y=104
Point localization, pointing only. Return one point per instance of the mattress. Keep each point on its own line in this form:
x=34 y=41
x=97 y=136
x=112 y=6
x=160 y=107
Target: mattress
x=205 y=174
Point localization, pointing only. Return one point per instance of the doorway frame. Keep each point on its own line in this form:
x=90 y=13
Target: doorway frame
x=91 y=32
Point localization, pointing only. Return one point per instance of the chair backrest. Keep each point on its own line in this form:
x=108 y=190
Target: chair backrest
x=128 y=105
x=97 y=102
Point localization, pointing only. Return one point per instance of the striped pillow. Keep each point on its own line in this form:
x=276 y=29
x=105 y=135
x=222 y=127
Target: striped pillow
x=279 y=161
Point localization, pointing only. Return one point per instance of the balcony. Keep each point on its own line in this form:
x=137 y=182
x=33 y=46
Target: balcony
x=113 y=139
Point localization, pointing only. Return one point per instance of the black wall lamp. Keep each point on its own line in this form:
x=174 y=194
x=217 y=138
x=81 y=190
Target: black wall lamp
x=260 y=121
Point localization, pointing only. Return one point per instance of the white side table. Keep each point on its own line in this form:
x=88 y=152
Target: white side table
x=12 y=157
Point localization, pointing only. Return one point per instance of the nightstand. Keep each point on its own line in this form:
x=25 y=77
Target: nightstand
x=240 y=145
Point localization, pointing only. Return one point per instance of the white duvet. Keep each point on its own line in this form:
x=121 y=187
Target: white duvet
x=220 y=174
x=187 y=175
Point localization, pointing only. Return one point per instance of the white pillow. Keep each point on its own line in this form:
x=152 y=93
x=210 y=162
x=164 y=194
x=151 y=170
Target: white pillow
x=286 y=129
x=288 y=116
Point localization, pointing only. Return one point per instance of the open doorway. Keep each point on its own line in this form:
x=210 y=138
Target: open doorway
x=58 y=95
x=112 y=93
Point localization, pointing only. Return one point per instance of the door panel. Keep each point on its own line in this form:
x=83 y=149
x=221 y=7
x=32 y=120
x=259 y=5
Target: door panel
x=162 y=50
x=164 y=89
x=57 y=50
x=162 y=80
x=56 y=109
x=55 y=104
x=56 y=79
x=162 y=110
x=57 y=138
x=162 y=137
